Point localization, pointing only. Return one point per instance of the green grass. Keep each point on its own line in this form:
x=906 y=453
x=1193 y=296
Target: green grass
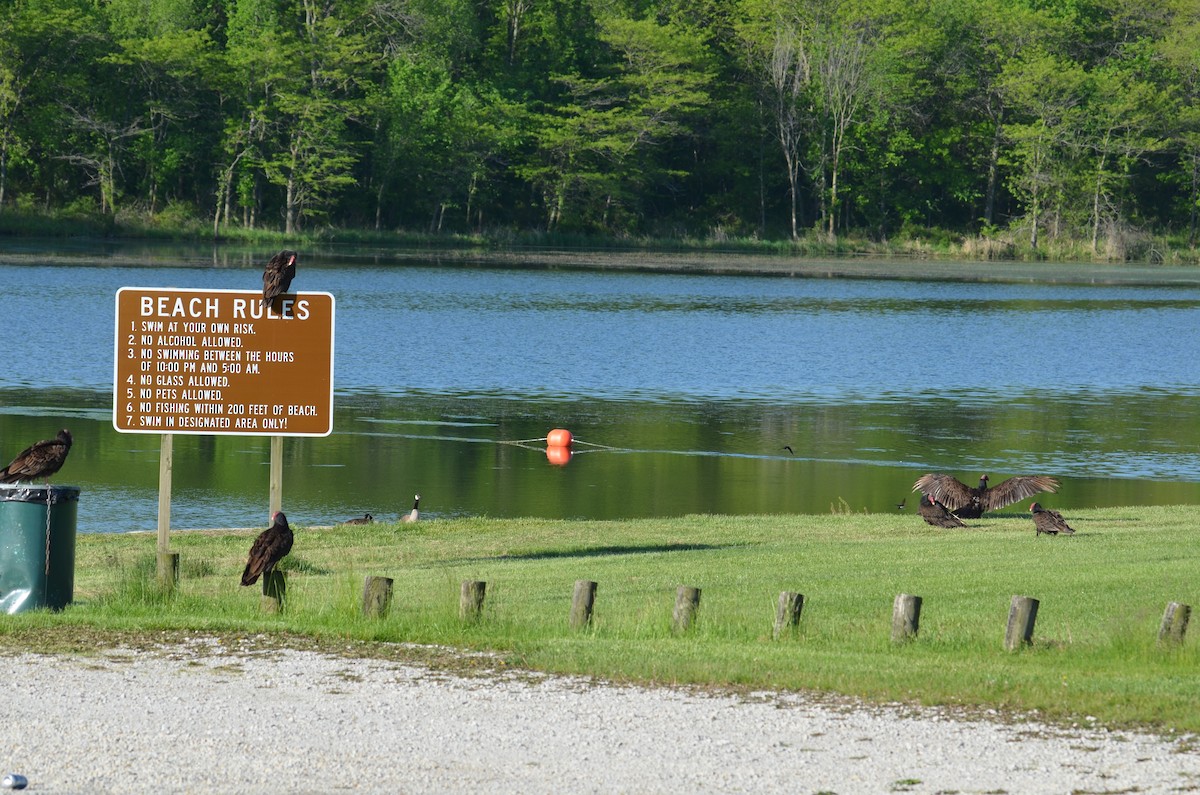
x=1095 y=651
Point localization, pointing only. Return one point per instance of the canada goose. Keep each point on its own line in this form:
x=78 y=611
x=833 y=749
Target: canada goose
x=412 y=515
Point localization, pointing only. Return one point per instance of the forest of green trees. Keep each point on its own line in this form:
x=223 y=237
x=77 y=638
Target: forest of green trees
x=1032 y=120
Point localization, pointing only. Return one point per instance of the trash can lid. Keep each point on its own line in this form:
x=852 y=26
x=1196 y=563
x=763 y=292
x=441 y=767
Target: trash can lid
x=29 y=492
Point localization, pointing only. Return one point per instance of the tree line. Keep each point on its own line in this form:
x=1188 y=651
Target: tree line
x=1031 y=119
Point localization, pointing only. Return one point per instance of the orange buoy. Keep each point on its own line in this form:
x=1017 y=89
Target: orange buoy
x=558 y=455
x=559 y=437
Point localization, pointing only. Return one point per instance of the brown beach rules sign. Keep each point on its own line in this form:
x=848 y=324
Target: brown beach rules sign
x=218 y=361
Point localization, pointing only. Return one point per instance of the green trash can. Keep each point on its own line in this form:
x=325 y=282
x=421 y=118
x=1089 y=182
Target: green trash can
x=37 y=546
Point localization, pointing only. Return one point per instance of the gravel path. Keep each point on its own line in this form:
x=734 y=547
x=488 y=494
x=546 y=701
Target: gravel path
x=288 y=721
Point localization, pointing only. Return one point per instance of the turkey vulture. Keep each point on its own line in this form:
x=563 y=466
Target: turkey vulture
x=364 y=519
x=278 y=275
x=269 y=548
x=1049 y=522
x=412 y=515
x=935 y=513
x=970 y=503
x=39 y=460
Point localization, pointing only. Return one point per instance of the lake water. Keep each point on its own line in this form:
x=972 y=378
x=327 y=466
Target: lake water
x=683 y=388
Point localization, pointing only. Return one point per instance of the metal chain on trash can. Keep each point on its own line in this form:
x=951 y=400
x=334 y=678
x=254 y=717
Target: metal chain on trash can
x=48 y=502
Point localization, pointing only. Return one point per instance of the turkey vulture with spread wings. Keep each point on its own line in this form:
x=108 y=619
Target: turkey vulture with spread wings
x=278 y=275
x=1049 y=522
x=38 y=460
x=271 y=546
x=935 y=513
x=971 y=503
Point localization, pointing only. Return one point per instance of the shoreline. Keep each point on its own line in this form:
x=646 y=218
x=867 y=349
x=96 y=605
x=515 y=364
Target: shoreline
x=866 y=266
x=897 y=266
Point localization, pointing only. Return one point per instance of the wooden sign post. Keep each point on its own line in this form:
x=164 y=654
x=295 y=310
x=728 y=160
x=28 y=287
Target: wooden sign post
x=219 y=362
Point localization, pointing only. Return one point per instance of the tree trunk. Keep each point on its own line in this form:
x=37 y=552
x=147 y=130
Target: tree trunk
x=1033 y=233
x=253 y=217
x=762 y=184
x=470 y=198
x=290 y=223
x=793 y=190
x=108 y=182
x=833 y=190
x=1195 y=199
x=989 y=202
x=1096 y=200
x=3 y=172
x=217 y=211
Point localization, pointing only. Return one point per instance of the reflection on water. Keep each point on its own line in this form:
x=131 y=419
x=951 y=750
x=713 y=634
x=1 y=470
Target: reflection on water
x=686 y=387
x=480 y=456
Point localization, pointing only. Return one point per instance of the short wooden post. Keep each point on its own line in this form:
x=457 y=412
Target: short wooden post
x=168 y=571
x=275 y=485
x=687 y=602
x=274 y=591
x=1021 y=616
x=470 y=603
x=787 y=612
x=581 y=603
x=906 y=617
x=1174 y=623
x=377 y=596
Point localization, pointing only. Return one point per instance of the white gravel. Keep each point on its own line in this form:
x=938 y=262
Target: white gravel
x=286 y=721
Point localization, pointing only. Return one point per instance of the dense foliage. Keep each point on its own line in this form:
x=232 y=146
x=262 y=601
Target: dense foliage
x=1014 y=120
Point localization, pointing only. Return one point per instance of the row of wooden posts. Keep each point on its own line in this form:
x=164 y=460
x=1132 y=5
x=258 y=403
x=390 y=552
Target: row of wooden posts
x=1022 y=613
x=906 y=610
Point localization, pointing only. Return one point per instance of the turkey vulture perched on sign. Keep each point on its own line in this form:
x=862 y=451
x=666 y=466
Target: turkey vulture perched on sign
x=971 y=503
x=278 y=275
x=39 y=460
x=935 y=513
x=1049 y=522
x=271 y=546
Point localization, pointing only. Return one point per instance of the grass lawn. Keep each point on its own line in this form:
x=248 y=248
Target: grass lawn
x=1095 y=650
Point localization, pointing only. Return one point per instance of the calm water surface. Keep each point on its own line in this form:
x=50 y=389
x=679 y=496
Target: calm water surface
x=683 y=388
